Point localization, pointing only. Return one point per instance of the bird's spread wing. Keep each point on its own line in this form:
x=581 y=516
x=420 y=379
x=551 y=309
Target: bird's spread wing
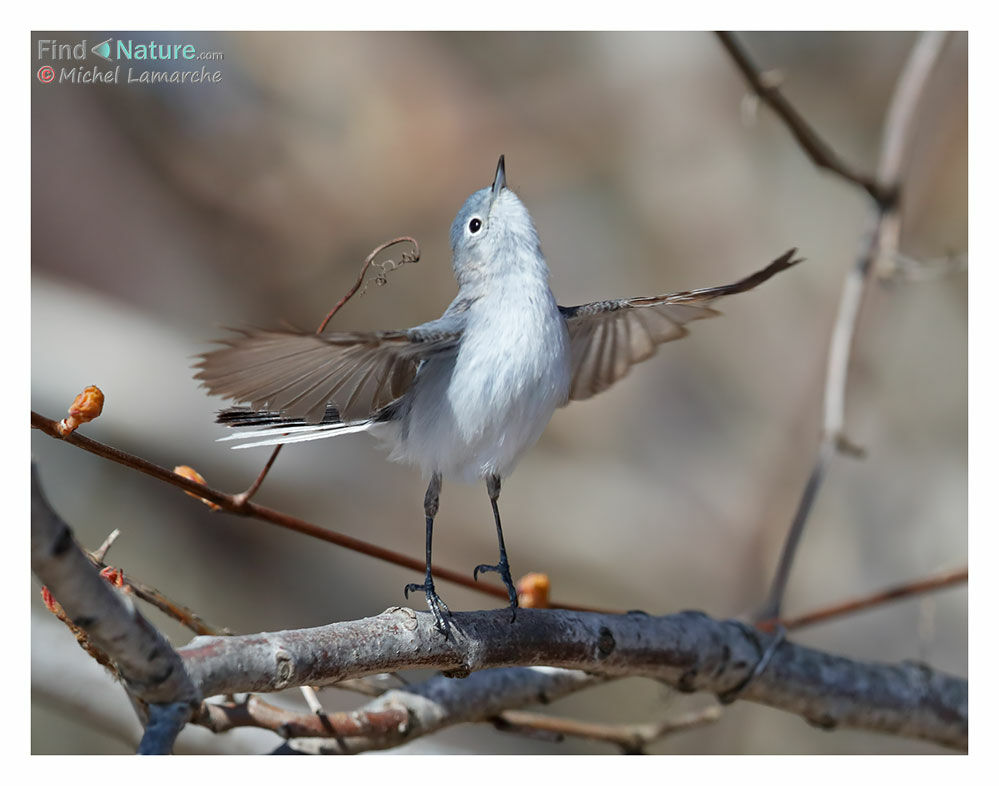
x=297 y=373
x=609 y=337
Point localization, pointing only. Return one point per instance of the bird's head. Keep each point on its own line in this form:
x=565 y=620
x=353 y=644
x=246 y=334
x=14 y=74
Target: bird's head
x=493 y=233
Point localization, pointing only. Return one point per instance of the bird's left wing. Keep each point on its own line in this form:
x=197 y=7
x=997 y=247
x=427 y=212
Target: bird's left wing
x=609 y=337
x=298 y=373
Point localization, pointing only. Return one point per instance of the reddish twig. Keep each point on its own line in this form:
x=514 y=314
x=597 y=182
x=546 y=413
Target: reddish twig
x=940 y=581
x=245 y=496
x=257 y=713
x=231 y=503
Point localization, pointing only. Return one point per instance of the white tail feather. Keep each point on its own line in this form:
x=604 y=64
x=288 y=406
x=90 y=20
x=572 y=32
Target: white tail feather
x=291 y=430
x=283 y=435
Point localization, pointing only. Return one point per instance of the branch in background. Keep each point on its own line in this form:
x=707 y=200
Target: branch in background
x=884 y=238
x=630 y=738
x=689 y=651
x=821 y=154
x=906 y=268
x=146 y=662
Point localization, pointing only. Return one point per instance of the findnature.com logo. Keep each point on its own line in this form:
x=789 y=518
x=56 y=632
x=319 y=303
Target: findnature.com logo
x=115 y=50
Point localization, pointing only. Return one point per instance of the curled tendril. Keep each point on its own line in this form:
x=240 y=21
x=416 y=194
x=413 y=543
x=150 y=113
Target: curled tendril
x=381 y=278
x=386 y=267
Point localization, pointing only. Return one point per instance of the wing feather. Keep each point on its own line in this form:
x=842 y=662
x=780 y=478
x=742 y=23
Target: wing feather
x=607 y=338
x=298 y=374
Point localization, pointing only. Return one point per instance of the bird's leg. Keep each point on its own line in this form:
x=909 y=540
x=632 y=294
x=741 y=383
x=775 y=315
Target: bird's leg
x=503 y=568
x=434 y=601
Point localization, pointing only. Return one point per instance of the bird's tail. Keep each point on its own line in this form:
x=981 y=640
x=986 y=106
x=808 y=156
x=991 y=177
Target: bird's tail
x=279 y=430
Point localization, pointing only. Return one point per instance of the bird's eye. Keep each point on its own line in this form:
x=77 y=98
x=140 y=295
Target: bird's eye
x=474 y=225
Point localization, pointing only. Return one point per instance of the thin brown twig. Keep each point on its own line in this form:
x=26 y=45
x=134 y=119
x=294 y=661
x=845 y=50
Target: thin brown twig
x=253 y=510
x=233 y=504
x=631 y=737
x=910 y=589
x=171 y=608
x=245 y=496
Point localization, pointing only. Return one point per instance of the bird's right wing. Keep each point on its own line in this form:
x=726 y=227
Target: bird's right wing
x=608 y=338
x=297 y=373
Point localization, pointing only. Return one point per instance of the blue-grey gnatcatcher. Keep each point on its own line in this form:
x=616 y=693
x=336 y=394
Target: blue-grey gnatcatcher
x=464 y=395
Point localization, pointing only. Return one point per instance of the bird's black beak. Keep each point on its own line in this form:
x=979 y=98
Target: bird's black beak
x=499 y=182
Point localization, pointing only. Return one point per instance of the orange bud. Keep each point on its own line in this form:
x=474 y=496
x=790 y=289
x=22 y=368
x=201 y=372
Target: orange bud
x=532 y=591
x=85 y=407
x=192 y=474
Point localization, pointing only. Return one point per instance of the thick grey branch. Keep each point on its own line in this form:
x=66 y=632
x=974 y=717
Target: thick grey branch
x=145 y=660
x=689 y=651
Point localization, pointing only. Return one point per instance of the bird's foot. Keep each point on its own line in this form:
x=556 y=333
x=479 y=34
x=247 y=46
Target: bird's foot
x=503 y=568
x=436 y=603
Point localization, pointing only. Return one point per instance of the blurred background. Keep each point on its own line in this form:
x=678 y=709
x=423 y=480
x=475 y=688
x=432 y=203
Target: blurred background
x=162 y=213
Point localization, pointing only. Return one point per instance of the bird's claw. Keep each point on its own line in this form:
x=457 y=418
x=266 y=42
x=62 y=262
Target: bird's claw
x=436 y=603
x=503 y=568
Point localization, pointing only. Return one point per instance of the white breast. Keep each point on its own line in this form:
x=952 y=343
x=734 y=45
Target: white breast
x=475 y=413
